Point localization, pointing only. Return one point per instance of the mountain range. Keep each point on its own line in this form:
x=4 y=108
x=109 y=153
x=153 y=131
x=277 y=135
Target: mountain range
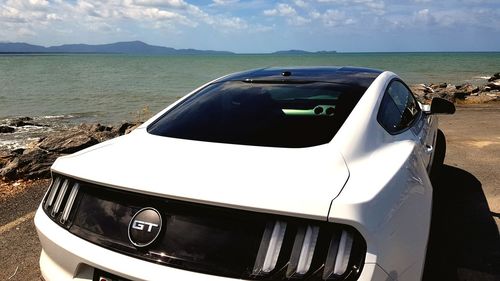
x=131 y=47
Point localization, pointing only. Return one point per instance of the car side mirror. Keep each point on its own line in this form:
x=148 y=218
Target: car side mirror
x=442 y=106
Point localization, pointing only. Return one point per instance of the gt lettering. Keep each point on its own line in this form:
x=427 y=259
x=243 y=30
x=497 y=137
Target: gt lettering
x=139 y=225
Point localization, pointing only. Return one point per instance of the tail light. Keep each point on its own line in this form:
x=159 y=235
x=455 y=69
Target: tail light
x=314 y=252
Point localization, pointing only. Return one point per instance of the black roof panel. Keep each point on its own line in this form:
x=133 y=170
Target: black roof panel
x=345 y=75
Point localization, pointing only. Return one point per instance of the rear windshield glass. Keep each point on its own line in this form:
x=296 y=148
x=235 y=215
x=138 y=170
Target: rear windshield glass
x=261 y=114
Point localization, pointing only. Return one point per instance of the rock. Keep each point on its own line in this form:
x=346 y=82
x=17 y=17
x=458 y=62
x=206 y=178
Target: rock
x=68 y=142
x=6 y=129
x=129 y=130
x=5 y=157
x=99 y=132
x=495 y=77
x=443 y=85
x=468 y=88
x=450 y=88
x=434 y=86
x=479 y=99
x=493 y=85
x=460 y=95
x=17 y=151
x=25 y=118
x=20 y=123
x=421 y=88
x=94 y=127
x=33 y=163
x=24 y=121
x=127 y=127
x=422 y=92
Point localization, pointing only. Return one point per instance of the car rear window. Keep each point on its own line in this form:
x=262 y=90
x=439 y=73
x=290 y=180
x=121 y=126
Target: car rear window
x=262 y=114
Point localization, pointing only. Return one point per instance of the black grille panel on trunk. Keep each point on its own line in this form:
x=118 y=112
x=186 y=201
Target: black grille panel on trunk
x=208 y=239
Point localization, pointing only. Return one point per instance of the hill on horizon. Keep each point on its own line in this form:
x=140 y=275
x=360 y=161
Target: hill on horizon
x=130 y=47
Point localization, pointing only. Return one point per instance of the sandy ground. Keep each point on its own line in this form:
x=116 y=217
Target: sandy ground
x=464 y=243
x=473 y=137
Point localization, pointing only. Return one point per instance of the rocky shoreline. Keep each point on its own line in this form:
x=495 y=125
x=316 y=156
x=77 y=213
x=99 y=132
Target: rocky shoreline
x=34 y=161
x=460 y=94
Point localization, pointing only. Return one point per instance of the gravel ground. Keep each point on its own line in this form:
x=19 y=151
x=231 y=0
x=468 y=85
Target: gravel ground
x=464 y=242
x=19 y=246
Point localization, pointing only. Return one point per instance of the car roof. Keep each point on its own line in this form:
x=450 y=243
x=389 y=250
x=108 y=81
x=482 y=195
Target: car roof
x=356 y=76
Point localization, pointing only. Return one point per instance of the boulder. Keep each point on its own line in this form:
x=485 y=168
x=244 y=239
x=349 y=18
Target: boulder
x=127 y=127
x=495 y=85
x=468 y=88
x=20 y=123
x=96 y=127
x=68 y=142
x=6 y=129
x=35 y=161
x=99 y=132
x=434 y=86
x=31 y=164
x=25 y=118
x=495 y=77
x=5 y=157
x=24 y=121
x=480 y=99
x=422 y=92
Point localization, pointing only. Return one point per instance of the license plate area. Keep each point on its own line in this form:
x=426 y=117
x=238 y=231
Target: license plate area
x=100 y=275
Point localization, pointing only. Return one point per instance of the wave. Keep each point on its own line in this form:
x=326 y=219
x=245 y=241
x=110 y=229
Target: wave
x=482 y=77
x=56 y=116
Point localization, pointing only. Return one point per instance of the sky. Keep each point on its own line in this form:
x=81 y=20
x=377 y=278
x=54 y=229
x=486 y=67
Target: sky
x=259 y=26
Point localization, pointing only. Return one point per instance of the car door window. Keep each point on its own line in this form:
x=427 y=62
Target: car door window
x=398 y=109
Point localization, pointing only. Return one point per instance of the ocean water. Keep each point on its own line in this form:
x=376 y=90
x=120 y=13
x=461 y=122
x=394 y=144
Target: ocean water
x=61 y=90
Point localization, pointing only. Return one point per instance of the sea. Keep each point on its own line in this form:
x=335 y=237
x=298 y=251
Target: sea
x=62 y=90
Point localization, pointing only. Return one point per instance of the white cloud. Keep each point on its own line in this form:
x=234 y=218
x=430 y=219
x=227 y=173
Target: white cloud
x=232 y=23
x=424 y=16
x=224 y=2
x=53 y=16
x=329 y=18
x=42 y=3
x=373 y=6
x=288 y=12
x=10 y=14
x=332 y=18
x=283 y=10
x=298 y=20
x=161 y=3
x=301 y=3
x=335 y=18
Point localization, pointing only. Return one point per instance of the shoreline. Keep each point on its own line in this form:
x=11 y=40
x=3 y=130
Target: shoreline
x=33 y=161
x=30 y=145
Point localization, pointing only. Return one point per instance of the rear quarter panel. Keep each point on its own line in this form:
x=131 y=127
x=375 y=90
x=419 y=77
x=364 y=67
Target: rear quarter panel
x=388 y=196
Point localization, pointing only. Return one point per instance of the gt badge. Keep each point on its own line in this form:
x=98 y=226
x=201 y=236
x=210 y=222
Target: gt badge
x=144 y=227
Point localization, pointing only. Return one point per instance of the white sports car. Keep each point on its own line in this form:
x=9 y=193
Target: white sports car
x=271 y=174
